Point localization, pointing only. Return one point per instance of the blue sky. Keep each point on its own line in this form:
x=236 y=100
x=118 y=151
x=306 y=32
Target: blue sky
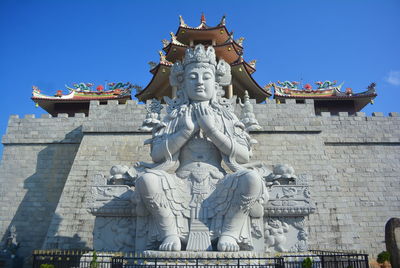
x=52 y=43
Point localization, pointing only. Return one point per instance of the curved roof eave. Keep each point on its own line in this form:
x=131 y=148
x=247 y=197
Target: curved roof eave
x=218 y=27
x=326 y=97
x=154 y=84
x=180 y=51
x=82 y=99
x=249 y=68
x=252 y=83
x=230 y=44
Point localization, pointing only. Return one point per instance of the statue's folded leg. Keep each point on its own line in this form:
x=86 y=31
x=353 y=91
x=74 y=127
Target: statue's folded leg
x=248 y=191
x=150 y=189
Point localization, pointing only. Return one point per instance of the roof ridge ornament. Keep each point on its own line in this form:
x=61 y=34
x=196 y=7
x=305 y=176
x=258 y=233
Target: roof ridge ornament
x=223 y=21
x=152 y=64
x=240 y=41
x=371 y=87
x=173 y=36
x=162 y=56
x=165 y=43
x=252 y=63
x=182 y=22
x=174 y=40
x=203 y=18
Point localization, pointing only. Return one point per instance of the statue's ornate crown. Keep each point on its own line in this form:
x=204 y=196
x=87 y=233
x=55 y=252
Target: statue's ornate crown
x=200 y=54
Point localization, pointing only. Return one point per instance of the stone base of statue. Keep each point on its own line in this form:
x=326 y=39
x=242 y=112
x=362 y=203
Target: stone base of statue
x=281 y=228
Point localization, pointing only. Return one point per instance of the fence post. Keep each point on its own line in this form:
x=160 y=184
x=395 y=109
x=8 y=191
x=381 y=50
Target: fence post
x=366 y=260
x=322 y=261
x=283 y=264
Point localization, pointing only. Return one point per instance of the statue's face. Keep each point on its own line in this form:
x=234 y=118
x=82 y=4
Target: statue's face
x=199 y=81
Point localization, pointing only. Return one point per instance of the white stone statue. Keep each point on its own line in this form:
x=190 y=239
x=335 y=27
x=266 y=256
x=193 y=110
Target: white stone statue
x=191 y=199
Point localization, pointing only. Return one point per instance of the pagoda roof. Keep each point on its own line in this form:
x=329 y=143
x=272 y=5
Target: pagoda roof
x=241 y=79
x=325 y=91
x=159 y=85
x=225 y=47
x=289 y=89
x=250 y=69
x=81 y=93
x=218 y=33
x=230 y=51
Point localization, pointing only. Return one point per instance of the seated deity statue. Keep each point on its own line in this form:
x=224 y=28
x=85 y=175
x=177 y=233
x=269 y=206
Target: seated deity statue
x=199 y=198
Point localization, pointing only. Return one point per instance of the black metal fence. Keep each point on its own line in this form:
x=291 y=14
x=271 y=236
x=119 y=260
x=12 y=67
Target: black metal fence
x=124 y=262
x=327 y=259
x=90 y=259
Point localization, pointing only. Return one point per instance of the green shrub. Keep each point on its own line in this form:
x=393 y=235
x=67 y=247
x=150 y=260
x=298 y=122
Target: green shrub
x=307 y=263
x=45 y=265
x=94 y=263
x=383 y=256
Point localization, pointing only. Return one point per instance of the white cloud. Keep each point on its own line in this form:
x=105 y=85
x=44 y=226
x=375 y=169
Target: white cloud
x=393 y=78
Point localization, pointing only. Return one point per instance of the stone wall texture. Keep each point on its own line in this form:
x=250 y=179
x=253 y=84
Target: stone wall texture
x=49 y=164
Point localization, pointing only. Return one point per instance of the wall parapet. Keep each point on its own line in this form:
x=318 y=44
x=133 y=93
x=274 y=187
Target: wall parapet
x=46 y=129
x=361 y=129
x=114 y=117
x=359 y=114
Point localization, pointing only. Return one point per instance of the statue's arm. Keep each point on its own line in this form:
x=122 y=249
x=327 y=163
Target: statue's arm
x=206 y=121
x=226 y=144
x=168 y=145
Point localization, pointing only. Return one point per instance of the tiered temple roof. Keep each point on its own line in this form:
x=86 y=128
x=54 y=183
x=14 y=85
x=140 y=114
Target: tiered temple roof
x=327 y=95
x=79 y=97
x=225 y=47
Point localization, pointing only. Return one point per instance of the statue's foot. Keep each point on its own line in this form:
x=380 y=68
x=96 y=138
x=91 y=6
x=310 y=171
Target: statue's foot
x=227 y=243
x=171 y=243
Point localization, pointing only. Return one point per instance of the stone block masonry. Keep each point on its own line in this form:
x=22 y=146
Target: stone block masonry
x=37 y=157
x=354 y=162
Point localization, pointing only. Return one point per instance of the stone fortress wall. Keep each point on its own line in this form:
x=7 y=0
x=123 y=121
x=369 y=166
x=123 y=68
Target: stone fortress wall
x=37 y=157
x=49 y=164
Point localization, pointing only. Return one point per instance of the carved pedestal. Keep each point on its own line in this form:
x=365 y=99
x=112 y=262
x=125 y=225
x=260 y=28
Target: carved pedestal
x=285 y=213
x=120 y=225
